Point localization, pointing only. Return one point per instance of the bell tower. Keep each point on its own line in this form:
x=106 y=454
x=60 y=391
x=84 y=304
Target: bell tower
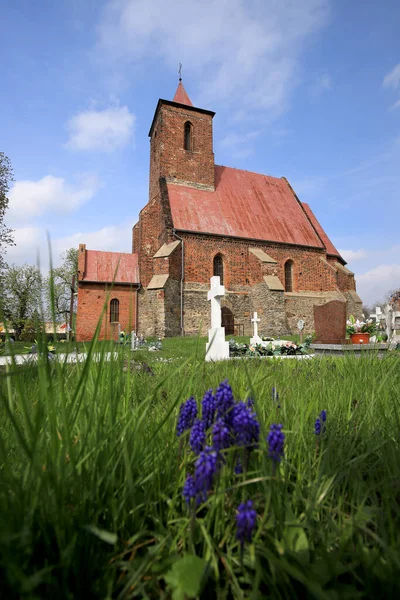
x=181 y=144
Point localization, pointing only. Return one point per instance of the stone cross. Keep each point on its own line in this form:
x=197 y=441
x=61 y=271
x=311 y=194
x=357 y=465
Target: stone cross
x=255 y=320
x=217 y=348
x=215 y=294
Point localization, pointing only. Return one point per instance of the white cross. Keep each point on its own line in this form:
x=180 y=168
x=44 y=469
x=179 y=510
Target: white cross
x=255 y=322
x=216 y=292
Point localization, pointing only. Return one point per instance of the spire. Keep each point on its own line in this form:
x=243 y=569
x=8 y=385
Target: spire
x=181 y=96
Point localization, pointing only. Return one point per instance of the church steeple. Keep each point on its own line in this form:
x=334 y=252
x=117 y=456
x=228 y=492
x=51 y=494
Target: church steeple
x=181 y=96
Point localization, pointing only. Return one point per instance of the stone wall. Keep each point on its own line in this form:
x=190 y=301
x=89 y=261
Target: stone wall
x=151 y=312
x=354 y=304
x=270 y=308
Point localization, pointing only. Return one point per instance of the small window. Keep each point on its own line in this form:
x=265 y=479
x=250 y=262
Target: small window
x=219 y=268
x=289 y=276
x=114 y=311
x=188 y=142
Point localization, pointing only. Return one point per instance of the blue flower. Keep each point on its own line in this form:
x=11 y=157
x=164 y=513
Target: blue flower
x=250 y=403
x=221 y=436
x=245 y=522
x=276 y=440
x=321 y=419
x=189 y=489
x=208 y=407
x=197 y=436
x=187 y=415
x=245 y=426
x=238 y=467
x=205 y=468
x=224 y=400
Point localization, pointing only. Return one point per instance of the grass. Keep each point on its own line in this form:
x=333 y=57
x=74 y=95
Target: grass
x=91 y=477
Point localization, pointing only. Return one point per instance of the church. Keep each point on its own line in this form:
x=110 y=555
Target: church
x=202 y=219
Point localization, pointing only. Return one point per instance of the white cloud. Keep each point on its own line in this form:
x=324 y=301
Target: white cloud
x=31 y=242
x=373 y=285
x=29 y=199
x=392 y=79
x=352 y=255
x=395 y=105
x=102 y=130
x=243 y=52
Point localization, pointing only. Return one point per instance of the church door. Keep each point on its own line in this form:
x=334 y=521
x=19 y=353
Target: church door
x=228 y=320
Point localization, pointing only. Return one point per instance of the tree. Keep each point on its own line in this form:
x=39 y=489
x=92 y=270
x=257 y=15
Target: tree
x=63 y=283
x=6 y=234
x=22 y=295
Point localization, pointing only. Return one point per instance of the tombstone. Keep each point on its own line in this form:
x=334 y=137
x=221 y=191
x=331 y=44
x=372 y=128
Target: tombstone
x=330 y=322
x=217 y=348
x=256 y=338
x=300 y=327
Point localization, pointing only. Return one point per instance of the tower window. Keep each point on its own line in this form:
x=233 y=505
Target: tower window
x=114 y=311
x=219 y=268
x=188 y=141
x=289 y=276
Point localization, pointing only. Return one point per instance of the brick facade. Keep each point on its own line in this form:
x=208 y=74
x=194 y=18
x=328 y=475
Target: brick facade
x=252 y=283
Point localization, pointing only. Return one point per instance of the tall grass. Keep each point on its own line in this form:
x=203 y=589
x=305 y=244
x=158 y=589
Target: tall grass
x=91 y=477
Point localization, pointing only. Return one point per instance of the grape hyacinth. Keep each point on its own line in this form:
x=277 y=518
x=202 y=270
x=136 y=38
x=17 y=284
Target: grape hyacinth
x=224 y=400
x=238 y=467
x=206 y=467
x=245 y=426
x=187 y=415
x=221 y=436
x=189 y=489
x=208 y=407
x=245 y=522
x=197 y=436
x=276 y=439
x=319 y=426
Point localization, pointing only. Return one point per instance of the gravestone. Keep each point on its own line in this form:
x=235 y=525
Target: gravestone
x=330 y=322
x=217 y=348
x=300 y=327
x=256 y=338
x=134 y=341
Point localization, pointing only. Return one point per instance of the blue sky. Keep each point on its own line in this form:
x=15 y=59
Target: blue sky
x=309 y=90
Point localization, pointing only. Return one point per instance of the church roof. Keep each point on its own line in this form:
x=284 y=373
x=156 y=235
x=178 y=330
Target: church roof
x=117 y=267
x=247 y=205
x=181 y=96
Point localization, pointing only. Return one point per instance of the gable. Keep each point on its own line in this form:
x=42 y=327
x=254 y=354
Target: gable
x=243 y=205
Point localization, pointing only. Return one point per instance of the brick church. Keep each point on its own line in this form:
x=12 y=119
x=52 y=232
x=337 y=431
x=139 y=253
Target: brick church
x=202 y=219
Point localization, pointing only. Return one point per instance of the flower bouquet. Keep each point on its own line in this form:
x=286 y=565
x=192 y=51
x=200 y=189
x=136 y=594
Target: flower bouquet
x=359 y=331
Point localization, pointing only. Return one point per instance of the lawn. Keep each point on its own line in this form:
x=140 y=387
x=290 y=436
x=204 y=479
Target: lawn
x=92 y=474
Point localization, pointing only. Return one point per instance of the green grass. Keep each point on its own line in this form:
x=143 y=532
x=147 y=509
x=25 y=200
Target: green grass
x=91 y=477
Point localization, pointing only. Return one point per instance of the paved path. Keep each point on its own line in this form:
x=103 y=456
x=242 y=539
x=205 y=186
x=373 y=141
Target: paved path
x=72 y=357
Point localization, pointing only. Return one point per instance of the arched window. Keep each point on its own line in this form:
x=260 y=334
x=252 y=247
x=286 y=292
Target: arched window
x=219 y=268
x=114 y=311
x=188 y=142
x=289 y=276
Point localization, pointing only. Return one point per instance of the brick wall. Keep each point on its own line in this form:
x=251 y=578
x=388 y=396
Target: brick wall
x=310 y=271
x=91 y=300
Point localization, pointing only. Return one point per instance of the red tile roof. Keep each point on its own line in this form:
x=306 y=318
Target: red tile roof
x=111 y=266
x=244 y=205
x=330 y=248
x=181 y=96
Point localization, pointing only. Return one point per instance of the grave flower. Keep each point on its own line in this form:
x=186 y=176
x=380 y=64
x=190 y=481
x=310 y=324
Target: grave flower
x=276 y=440
x=245 y=522
x=354 y=325
x=187 y=415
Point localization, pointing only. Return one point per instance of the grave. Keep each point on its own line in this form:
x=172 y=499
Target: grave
x=216 y=348
x=330 y=329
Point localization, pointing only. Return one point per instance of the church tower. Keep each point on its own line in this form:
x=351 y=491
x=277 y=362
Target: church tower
x=181 y=144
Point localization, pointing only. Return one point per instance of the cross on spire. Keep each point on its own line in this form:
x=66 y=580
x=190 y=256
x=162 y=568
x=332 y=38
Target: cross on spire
x=180 y=71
